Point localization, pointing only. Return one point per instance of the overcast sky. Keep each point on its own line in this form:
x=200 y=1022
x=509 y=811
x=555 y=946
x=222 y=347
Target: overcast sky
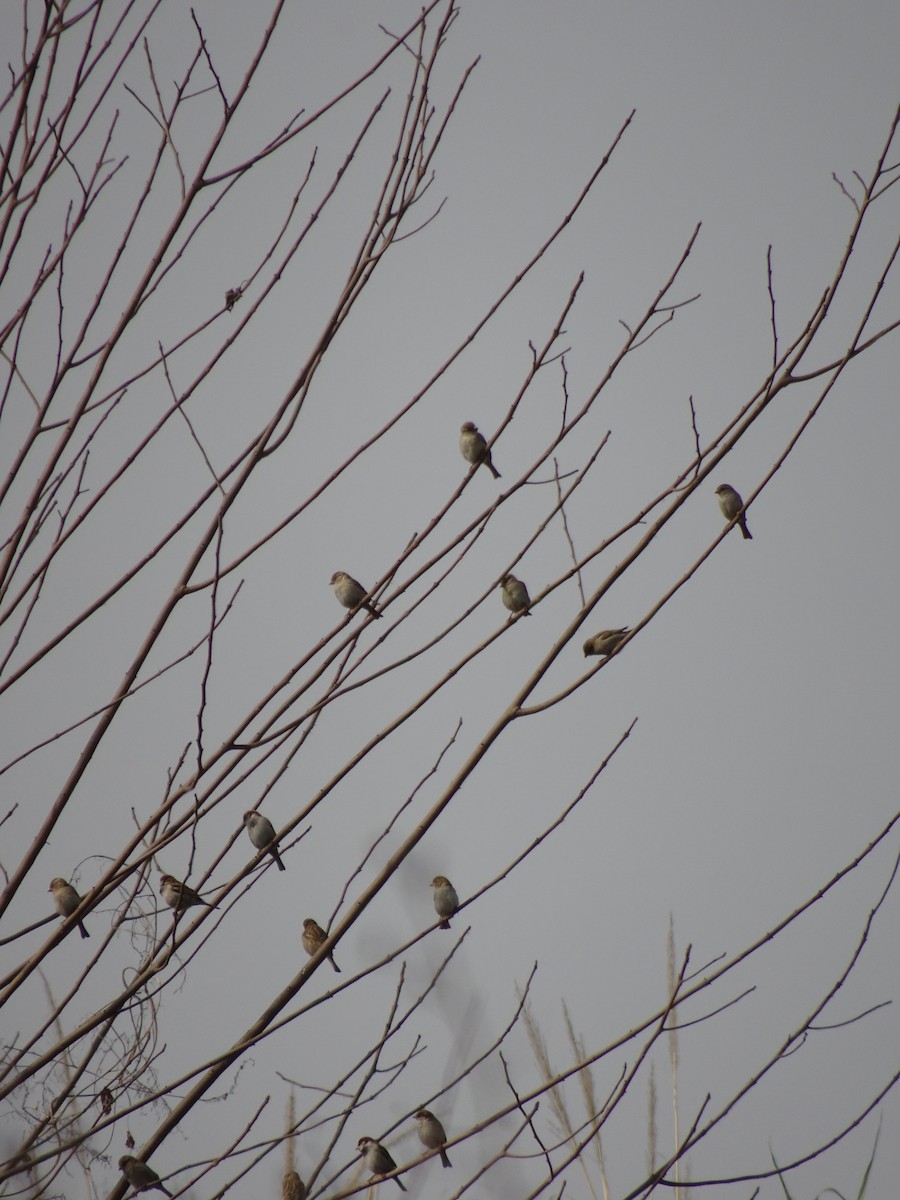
x=765 y=692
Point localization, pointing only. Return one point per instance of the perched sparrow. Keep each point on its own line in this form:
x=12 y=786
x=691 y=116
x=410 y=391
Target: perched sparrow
x=293 y=1187
x=313 y=937
x=141 y=1177
x=377 y=1159
x=514 y=595
x=446 y=901
x=350 y=593
x=604 y=643
x=178 y=895
x=106 y=1101
x=731 y=505
x=431 y=1133
x=66 y=900
x=474 y=448
x=262 y=835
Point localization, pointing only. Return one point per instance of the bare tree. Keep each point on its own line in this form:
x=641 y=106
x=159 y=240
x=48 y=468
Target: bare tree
x=174 y=503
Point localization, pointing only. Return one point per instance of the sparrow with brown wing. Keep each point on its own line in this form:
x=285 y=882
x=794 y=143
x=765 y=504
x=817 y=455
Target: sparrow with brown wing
x=351 y=593
x=313 y=938
x=141 y=1177
x=475 y=449
x=178 y=895
x=514 y=595
x=377 y=1159
x=446 y=901
x=431 y=1133
x=66 y=900
x=293 y=1187
x=605 y=642
x=262 y=835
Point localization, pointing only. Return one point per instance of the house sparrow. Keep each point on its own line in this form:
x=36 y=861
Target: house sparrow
x=431 y=1133
x=313 y=937
x=514 y=595
x=377 y=1159
x=446 y=901
x=604 y=643
x=262 y=835
x=474 y=448
x=293 y=1187
x=178 y=895
x=350 y=593
x=141 y=1177
x=731 y=505
x=66 y=900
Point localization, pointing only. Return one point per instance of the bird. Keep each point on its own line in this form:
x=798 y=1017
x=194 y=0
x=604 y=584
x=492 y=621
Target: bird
x=351 y=593
x=141 y=1177
x=178 y=895
x=431 y=1133
x=475 y=449
x=446 y=901
x=731 y=504
x=605 y=642
x=313 y=937
x=293 y=1187
x=514 y=595
x=377 y=1159
x=66 y=900
x=262 y=835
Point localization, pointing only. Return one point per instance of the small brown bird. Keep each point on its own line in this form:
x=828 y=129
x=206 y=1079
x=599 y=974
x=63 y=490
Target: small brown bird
x=350 y=593
x=475 y=449
x=178 y=895
x=731 y=505
x=66 y=900
x=293 y=1187
x=262 y=835
x=446 y=901
x=377 y=1159
x=141 y=1177
x=313 y=937
x=514 y=595
x=604 y=643
x=106 y=1101
x=431 y=1133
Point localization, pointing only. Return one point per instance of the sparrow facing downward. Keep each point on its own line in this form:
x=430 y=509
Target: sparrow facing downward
x=293 y=1187
x=262 y=835
x=446 y=901
x=313 y=937
x=431 y=1133
x=178 y=895
x=514 y=595
x=377 y=1159
x=731 y=505
x=475 y=449
x=66 y=900
x=350 y=593
x=604 y=643
x=141 y=1177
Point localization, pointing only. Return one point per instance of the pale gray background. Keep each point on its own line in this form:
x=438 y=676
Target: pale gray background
x=765 y=753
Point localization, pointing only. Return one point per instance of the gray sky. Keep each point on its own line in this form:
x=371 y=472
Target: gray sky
x=765 y=691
